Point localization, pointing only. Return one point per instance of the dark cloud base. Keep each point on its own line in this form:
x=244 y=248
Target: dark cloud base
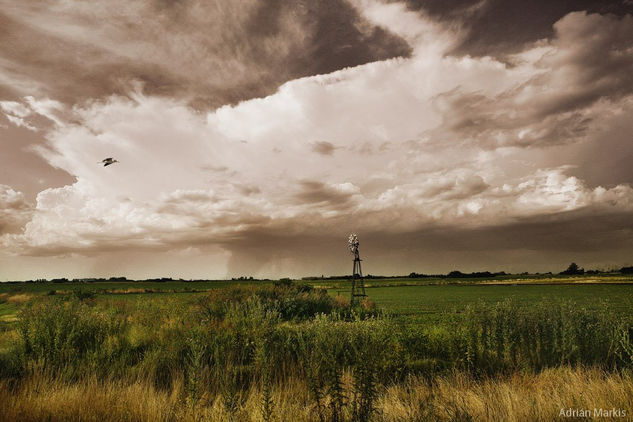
x=545 y=243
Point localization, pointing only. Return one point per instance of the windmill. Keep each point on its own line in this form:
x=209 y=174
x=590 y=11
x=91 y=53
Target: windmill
x=358 y=286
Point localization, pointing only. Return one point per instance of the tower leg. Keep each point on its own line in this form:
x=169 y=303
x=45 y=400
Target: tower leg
x=358 y=286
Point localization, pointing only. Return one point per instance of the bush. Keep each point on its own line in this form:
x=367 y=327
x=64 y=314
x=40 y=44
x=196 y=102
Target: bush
x=80 y=294
x=291 y=301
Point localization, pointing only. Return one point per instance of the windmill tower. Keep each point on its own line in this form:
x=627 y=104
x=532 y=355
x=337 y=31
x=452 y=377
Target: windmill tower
x=358 y=286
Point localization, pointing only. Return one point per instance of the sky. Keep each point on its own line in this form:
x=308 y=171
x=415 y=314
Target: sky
x=254 y=136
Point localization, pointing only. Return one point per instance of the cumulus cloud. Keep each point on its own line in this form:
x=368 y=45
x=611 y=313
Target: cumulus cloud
x=15 y=211
x=416 y=146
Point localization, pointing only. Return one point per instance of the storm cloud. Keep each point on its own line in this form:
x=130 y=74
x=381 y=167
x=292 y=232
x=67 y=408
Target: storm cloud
x=208 y=53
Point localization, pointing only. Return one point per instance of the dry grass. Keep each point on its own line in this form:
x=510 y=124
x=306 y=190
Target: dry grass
x=131 y=290
x=519 y=398
x=9 y=318
x=40 y=399
x=341 y=301
x=453 y=398
x=19 y=298
x=558 y=280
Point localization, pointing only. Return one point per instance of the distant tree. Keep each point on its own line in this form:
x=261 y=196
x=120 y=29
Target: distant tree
x=60 y=280
x=626 y=270
x=573 y=269
x=283 y=282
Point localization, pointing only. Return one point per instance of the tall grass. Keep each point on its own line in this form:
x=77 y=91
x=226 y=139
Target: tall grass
x=507 y=337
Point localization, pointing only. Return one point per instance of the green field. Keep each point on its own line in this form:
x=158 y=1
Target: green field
x=167 y=286
x=425 y=298
x=435 y=300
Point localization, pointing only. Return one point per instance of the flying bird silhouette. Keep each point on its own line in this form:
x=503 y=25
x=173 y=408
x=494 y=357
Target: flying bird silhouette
x=108 y=161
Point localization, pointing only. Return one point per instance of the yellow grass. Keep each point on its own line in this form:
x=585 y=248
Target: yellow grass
x=564 y=280
x=341 y=301
x=519 y=398
x=452 y=398
x=9 y=318
x=19 y=298
x=131 y=290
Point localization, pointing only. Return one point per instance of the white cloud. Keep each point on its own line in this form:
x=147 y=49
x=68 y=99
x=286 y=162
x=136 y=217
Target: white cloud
x=15 y=108
x=48 y=108
x=20 y=122
x=17 y=113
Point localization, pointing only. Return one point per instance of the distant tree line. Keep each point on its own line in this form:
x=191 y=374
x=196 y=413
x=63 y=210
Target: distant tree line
x=572 y=269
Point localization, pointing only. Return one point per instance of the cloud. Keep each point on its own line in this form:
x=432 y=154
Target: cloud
x=20 y=122
x=498 y=28
x=336 y=196
x=323 y=147
x=574 y=80
x=79 y=50
x=430 y=144
x=15 y=211
x=17 y=113
x=14 y=108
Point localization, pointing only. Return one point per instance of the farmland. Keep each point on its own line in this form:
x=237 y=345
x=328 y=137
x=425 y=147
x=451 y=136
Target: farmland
x=403 y=297
x=418 y=349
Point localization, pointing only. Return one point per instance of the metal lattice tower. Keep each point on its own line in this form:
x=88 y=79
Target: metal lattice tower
x=358 y=285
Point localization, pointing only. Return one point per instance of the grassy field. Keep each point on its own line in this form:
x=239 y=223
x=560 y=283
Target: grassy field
x=421 y=297
x=412 y=298
x=166 y=286
x=510 y=348
x=433 y=301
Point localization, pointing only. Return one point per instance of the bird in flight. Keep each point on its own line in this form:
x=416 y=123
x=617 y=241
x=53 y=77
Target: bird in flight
x=108 y=161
